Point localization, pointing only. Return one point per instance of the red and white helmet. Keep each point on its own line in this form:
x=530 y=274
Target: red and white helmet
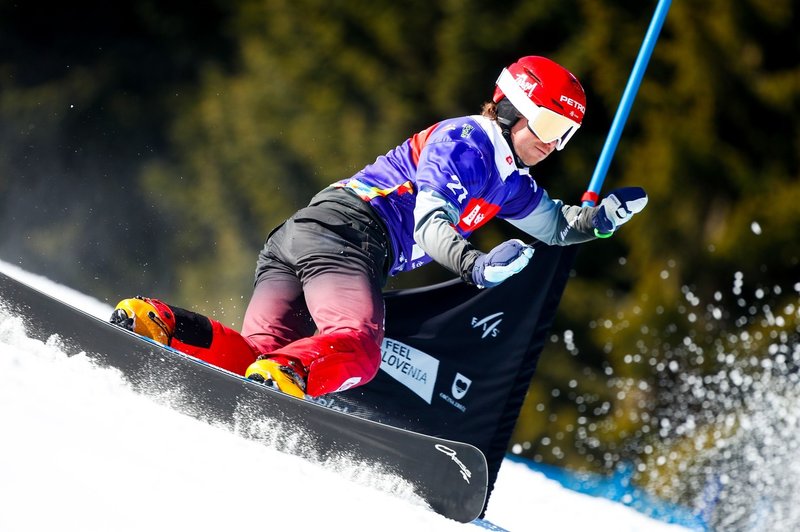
x=545 y=93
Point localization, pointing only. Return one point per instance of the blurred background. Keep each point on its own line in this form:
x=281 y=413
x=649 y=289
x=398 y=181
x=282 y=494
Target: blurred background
x=149 y=147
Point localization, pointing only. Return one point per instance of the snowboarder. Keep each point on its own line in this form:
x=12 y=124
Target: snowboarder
x=315 y=322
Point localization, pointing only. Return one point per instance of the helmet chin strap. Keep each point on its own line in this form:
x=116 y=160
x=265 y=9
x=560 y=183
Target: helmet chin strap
x=507 y=135
x=507 y=116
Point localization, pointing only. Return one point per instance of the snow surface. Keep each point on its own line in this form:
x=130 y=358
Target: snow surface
x=79 y=450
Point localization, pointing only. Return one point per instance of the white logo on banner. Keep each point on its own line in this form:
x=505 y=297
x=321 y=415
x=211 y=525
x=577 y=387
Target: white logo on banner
x=411 y=367
x=488 y=326
x=460 y=386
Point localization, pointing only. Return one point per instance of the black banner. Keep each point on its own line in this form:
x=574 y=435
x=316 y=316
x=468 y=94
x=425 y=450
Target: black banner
x=457 y=361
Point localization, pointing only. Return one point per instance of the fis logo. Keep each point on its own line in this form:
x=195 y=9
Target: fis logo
x=488 y=325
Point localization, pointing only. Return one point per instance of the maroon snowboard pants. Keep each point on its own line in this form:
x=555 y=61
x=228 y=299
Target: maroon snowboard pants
x=318 y=292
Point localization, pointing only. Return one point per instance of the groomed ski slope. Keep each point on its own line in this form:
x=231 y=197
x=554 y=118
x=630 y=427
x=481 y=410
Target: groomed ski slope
x=80 y=451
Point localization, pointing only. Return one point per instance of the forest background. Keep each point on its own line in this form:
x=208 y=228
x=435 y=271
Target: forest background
x=149 y=147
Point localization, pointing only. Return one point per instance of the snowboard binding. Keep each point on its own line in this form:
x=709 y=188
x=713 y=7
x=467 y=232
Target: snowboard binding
x=147 y=317
x=270 y=372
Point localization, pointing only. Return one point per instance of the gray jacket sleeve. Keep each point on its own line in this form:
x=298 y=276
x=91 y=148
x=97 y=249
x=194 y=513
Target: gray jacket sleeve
x=554 y=223
x=434 y=218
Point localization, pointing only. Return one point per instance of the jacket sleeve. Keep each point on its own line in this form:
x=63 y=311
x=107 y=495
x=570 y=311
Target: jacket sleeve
x=554 y=223
x=434 y=232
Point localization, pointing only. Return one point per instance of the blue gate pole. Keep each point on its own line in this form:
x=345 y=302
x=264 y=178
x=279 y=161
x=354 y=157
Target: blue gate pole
x=635 y=79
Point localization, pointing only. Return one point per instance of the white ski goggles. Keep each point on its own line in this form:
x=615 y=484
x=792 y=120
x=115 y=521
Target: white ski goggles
x=542 y=122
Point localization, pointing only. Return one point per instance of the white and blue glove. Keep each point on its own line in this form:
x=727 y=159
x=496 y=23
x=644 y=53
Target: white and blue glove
x=501 y=263
x=617 y=208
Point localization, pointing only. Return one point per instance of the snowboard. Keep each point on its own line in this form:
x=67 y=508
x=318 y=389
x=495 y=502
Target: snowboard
x=450 y=476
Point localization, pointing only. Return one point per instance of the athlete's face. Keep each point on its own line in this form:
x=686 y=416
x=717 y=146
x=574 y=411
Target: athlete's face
x=528 y=146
